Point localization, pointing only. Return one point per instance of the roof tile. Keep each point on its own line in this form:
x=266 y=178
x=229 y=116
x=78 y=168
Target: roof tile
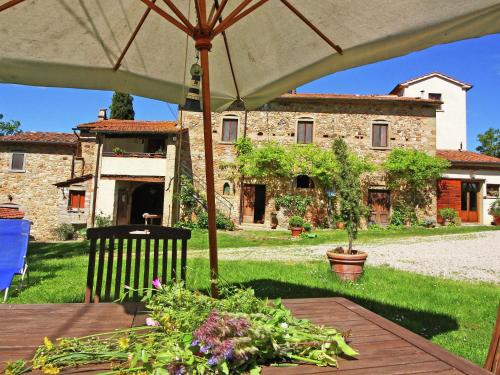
x=10 y=213
x=340 y=97
x=41 y=137
x=131 y=126
x=463 y=156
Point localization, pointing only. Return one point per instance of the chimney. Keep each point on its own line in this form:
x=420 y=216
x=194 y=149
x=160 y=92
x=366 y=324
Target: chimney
x=102 y=114
x=422 y=94
x=292 y=91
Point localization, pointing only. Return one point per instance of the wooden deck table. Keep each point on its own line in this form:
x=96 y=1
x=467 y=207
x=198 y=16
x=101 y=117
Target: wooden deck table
x=385 y=348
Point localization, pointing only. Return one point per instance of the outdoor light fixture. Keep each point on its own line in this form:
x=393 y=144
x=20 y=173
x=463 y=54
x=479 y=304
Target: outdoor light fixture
x=193 y=96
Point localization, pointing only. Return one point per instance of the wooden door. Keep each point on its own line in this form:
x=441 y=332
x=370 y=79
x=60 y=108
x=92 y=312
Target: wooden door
x=469 y=202
x=248 y=203
x=380 y=206
x=122 y=207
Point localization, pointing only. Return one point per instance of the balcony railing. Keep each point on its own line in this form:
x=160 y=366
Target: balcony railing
x=134 y=155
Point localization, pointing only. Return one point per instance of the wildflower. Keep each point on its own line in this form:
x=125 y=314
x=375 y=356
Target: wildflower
x=50 y=369
x=157 y=284
x=212 y=361
x=195 y=343
x=123 y=343
x=284 y=325
x=151 y=322
x=47 y=343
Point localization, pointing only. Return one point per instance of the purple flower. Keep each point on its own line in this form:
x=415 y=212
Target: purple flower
x=157 y=283
x=212 y=361
x=151 y=322
x=195 y=343
x=204 y=349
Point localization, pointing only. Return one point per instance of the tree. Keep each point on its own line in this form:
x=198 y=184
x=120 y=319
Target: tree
x=490 y=142
x=412 y=174
x=348 y=183
x=122 y=106
x=9 y=127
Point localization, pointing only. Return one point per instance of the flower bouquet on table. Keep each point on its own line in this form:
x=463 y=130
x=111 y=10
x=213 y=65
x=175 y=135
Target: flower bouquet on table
x=188 y=332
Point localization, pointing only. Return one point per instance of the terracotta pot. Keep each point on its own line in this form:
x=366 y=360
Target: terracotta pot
x=446 y=222
x=347 y=266
x=296 y=231
x=497 y=220
x=339 y=225
x=274 y=220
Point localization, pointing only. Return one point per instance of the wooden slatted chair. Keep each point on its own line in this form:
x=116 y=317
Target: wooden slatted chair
x=121 y=256
x=493 y=359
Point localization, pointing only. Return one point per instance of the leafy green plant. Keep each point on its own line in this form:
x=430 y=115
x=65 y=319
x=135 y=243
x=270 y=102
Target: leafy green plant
x=448 y=214
x=307 y=226
x=495 y=208
x=118 y=150
x=296 y=222
x=190 y=200
x=102 y=220
x=188 y=332
x=293 y=204
x=65 y=232
x=349 y=191
x=221 y=221
x=403 y=214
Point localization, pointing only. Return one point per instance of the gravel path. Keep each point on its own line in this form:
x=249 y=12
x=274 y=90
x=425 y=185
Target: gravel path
x=474 y=256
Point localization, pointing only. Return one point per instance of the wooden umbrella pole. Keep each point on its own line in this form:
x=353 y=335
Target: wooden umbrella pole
x=203 y=45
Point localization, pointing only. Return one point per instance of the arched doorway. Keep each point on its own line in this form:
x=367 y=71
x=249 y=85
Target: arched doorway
x=147 y=198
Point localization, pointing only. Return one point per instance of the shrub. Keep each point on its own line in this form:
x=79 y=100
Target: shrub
x=221 y=221
x=296 y=222
x=375 y=227
x=448 y=214
x=293 y=205
x=429 y=222
x=495 y=208
x=82 y=233
x=403 y=214
x=65 y=232
x=102 y=220
x=118 y=150
x=307 y=226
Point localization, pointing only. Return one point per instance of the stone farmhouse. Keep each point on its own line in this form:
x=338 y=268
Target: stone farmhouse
x=130 y=171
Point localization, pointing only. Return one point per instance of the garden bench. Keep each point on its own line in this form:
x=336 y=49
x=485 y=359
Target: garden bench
x=120 y=260
x=493 y=359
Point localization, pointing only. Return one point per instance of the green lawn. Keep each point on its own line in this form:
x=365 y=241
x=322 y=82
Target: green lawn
x=271 y=238
x=457 y=315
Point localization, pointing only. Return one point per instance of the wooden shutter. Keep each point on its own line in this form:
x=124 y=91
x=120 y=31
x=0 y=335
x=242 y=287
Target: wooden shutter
x=229 y=130
x=304 y=131
x=76 y=199
x=379 y=135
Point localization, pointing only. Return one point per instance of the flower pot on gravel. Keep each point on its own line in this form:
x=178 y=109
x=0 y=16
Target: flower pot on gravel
x=296 y=231
x=496 y=220
x=296 y=223
x=340 y=225
x=348 y=267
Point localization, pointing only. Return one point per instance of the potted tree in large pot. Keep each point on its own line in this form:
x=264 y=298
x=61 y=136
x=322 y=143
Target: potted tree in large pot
x=348 y=263
x=495 y=211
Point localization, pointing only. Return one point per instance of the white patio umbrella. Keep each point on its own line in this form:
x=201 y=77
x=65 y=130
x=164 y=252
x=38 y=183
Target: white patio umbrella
x=259 y=49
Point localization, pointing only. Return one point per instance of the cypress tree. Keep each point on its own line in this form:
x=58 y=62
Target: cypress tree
x=122 y=106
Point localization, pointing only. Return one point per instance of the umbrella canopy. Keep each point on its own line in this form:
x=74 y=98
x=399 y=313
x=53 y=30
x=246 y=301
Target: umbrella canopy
x=259 y=48
x=71 y=43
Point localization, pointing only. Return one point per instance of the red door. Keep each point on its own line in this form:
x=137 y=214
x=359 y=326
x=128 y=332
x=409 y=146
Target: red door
x=380 y=206
x=469 y=202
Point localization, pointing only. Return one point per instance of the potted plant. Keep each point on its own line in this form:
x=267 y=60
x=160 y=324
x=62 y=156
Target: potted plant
x=348 y=263
x=449 y=215
x=339 y=224
x=307 y=227
x=495 y=211
x=296 y=224
x=118 y=151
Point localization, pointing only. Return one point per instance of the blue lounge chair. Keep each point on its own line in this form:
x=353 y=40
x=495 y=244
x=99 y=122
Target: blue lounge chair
x=14 y=235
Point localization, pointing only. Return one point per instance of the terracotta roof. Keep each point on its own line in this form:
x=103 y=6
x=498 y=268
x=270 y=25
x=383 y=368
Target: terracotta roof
x=10 y=213
x=131 y=126
x=405 y=84
x=41 y=137
x=467 y=157
x=353 y=97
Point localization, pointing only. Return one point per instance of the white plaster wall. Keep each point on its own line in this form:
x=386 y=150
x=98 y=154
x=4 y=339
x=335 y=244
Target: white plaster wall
x=485 y=176
x=128 y=166
x=105 y=201
x=451 y=121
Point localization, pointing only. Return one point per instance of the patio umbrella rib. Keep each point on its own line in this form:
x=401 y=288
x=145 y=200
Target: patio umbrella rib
x=9 y=4
x=167 y=16
x=218 y=13
x=132 y=37
x=311 y=26
x=234 y=13
x=243 y=14
x=179 y=14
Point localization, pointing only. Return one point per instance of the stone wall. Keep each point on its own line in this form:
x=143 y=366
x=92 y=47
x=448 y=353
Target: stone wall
x=411 y=125
x=33 y=189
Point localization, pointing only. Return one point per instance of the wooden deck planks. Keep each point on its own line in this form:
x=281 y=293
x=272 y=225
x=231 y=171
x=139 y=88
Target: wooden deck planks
x=385 y=348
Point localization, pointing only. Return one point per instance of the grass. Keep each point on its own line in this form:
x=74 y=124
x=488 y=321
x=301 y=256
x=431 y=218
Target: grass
x=456 y=315
x=269 y=238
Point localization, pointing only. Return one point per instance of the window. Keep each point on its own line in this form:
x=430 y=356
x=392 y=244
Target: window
x=76 y=199
x=304 y=182
x=229 y=130
x=435 y=96
x=492 y=190
x=304 y=131
x=379 y=134
x=17 y=163
x=226 y=190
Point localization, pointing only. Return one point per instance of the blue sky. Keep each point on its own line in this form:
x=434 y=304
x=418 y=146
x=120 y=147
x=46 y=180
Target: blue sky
x=475 y=61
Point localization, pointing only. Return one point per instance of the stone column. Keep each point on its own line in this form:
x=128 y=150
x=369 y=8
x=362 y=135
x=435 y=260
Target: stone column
x=169 y=208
